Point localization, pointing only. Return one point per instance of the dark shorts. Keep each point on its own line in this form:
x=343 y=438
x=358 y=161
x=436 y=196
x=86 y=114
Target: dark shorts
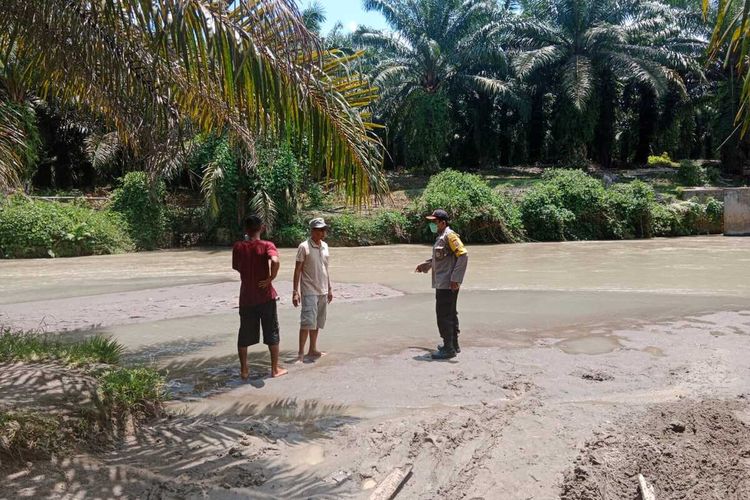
x=251 y=319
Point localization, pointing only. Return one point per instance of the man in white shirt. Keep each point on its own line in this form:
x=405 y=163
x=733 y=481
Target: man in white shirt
x=312 y=288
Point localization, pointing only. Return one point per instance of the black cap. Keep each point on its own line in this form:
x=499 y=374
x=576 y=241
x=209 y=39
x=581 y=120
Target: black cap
x=439 y=214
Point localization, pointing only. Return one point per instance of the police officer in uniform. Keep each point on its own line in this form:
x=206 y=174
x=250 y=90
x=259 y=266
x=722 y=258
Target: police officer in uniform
x=448 y=264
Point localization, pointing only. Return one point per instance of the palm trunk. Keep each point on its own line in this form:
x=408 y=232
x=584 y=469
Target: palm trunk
x=537 y=129
x=605 y=131
x=647 y=116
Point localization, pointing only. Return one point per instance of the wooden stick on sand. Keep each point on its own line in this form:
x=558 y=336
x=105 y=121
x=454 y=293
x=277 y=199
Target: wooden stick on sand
x=647 y=491
x=389 y=488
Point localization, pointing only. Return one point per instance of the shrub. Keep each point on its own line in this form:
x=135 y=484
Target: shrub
x=381 y=228
x=139 y=392
x=214 y=160
x=289 y=236
x=690 y=173
x=630 y=210
x=567 y=204
x=141 y=202
x=714 y=210
x=187 y=226
x=543 y=219
x=47 y=229
x=662 y=160
x=713 y=176
x=394 y=225
x=690 y=217
x=477 y=212
x=316 y=198
x=280 y=175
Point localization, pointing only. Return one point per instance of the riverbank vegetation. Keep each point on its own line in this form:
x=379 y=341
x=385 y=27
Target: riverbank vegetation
x=574 y=94
x=77 y=394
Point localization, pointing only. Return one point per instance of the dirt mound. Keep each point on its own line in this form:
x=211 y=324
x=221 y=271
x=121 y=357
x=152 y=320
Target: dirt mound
x=686 y=450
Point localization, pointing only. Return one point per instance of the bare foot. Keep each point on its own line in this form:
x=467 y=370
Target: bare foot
x=244 y=374
x=300 y=359
x=315 y=354
x=279 y=372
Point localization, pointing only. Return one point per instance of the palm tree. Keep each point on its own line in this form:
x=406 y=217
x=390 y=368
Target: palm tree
x=732 y=36
x=730 y=45
x=153 y=69
x=437 y=52
x=585 y=50
x=313 y=17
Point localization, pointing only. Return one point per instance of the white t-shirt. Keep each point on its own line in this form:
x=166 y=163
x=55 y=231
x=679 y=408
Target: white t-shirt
x=314 y=280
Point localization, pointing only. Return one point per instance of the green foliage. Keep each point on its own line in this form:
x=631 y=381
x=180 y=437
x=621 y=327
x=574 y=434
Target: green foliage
x=279 y=177
x=662 y=160
x=427 y=71
x=583 y=51
x=152 y=68
x=214 y=161
x=272 y=189
x=289 y=236
x=48 y=229
x=478 y=213
x=27 y=434
x=136 y=391
x=568 y=204
x=690 y=217
x=122 y=395
x=383 y=228
x=426 y=131
x=543 y=219
x=141 y=202
x=713 y=176
x=714 y=210
x=690 y=173
x=30 y=347
x=187 y=226
x=316 y=197
x=572 y=205
x=630 y=210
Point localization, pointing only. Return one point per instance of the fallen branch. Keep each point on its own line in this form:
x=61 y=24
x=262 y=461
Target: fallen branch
x=391 y=485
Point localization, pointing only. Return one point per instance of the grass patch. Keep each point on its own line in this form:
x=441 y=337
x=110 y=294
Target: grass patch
x=28 y=434
x=122 y=397
x=31 y=347
x=139 y=392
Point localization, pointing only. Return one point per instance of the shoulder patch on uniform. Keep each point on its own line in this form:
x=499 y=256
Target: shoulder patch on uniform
x=457 y=246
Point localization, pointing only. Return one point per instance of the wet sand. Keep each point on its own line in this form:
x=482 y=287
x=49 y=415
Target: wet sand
x=559 y=340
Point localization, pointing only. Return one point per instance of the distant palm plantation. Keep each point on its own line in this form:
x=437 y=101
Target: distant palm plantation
x=216 y=109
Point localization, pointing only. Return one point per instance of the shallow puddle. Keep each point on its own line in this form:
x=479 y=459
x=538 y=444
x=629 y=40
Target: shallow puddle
x=591 y=345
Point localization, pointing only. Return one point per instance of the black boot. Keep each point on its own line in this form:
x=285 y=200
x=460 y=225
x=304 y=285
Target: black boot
x=445 y=351
x=456 y=347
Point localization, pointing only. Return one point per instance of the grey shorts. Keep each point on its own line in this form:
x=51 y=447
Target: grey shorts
x=313 y=315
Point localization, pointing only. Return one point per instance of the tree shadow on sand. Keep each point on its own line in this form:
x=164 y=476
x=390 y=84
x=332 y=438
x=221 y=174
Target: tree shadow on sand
x=227 y=455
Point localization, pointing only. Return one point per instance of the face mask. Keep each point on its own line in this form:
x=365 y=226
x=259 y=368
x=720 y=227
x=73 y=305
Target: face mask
x=433 y=227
